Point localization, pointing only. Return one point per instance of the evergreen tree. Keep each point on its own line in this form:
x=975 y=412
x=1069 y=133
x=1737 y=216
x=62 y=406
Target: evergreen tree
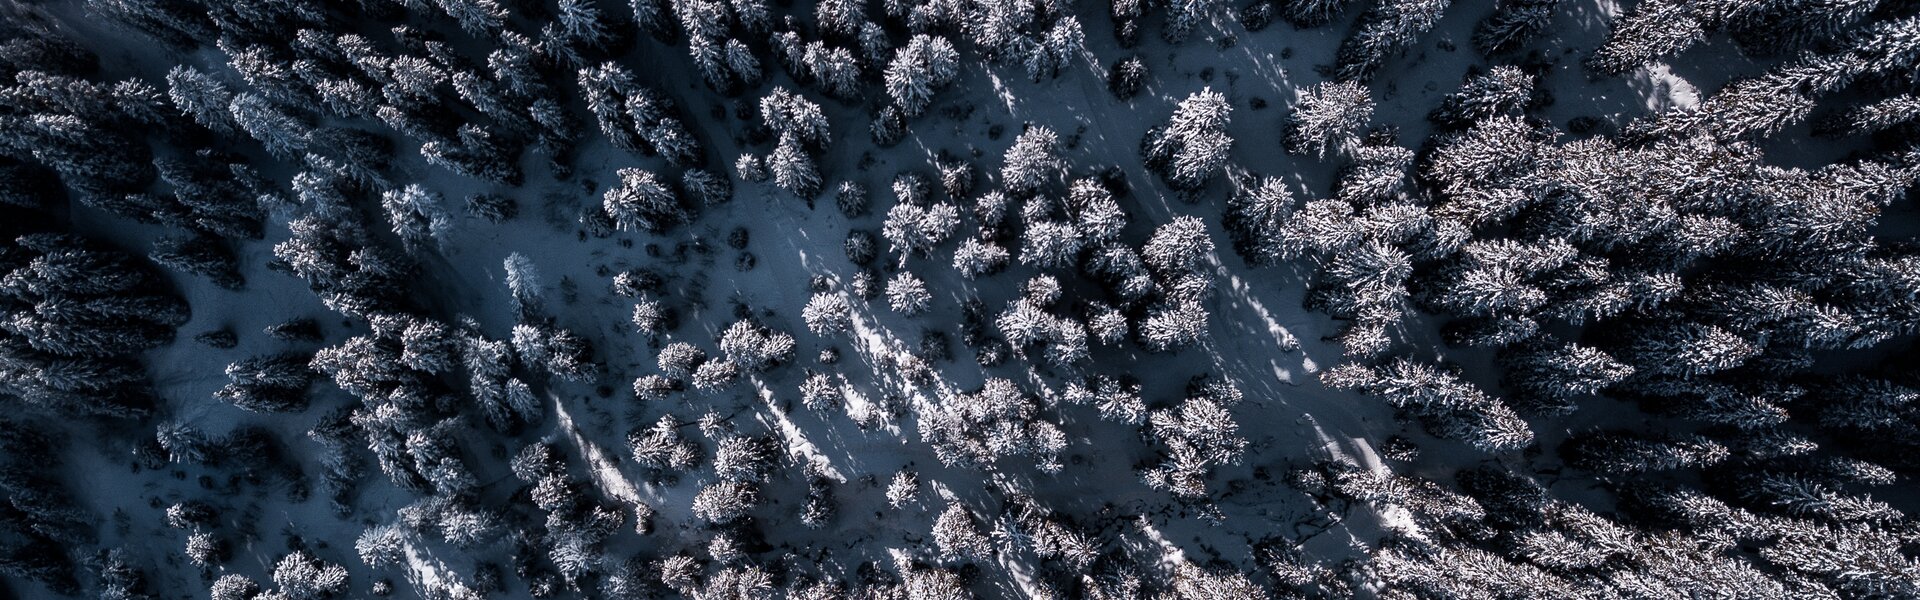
x=918 y=70
x=725 y=501
x=200 y=255
x=1193 y=144
x=300 y=576
x=1624 y=453
x=791 y=116
x=1501 y=90
x=975 y=259
x=907 y=294
x=201 y=97
x=957 y=536
x=1545 y=378
x=643 y=202
x=1388 y=28
x=418 y=216
x=1329 y=116
x=1651 y=31
x=1127 y=77
x=793 y=169
x=1514 y=23
x=1311 y=13
x=914 y=230
x=755 y=347
x=827 y=313
x=1256 y=218
x=852 y=199
x=275 y=383
x=1057 y=49
x=281 y=133
x=1032 y=162
x=1447 y=405
x=475 y=153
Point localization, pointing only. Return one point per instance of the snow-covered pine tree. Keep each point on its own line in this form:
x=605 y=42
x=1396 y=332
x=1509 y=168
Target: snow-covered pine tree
x=1311 y=13
x=1127 y=77
x=1032 y=162
x=1502 y=90
x=1182 y=16
x=1622 y=453
x=827 y=313
x=201 y=255
x=793 y=169
x=642 y=201
x=1193 y=144
x=1513 y=24
x=791 y=115
x=957 y=535
x=1653 y=30
x=907 y=294
x=911 y=229
x=1329 y=116
x=975 y=259
x=1388 y=28
x=921 y=68
x=200 y=96
x=1256 y=217
x=271 y=383
x=418 y=215
x=283 y=135
x=1447 y=405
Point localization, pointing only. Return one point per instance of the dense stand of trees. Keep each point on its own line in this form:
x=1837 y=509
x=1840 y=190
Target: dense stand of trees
x=1722 y=338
